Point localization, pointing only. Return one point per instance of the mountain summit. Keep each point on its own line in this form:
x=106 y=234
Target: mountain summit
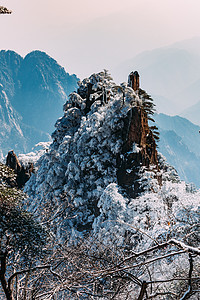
x=103 y=189
x=44 y=87
x=102 y=160
x=33 y=91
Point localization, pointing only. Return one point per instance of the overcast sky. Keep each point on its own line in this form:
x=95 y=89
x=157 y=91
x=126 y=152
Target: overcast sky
x=86 y=36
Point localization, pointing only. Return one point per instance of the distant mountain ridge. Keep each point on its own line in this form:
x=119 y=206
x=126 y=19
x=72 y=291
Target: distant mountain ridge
x=44 y=87
x=192 y=113
x=170 y=74
x=33 y=91
x=180 y=144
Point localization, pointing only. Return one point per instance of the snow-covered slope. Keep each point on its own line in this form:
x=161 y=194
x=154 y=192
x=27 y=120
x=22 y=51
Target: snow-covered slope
x=14 y=134
x=102 y=173
x=9 y=125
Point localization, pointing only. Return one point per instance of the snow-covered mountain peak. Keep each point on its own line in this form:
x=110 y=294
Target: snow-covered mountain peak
x=103 y=161
x=103 y=138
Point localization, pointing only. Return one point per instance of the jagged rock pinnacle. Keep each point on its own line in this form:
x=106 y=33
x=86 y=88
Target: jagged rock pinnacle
x=133 y=80
x=23 y=173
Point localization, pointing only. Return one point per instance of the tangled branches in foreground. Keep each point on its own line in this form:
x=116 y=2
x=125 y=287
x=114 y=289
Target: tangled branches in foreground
x=169 y=270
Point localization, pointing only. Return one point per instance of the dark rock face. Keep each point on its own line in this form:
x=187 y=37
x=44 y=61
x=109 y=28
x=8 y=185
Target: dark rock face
x=139 y=149
x=23 y=173
x=13 y=162
x=134 y=80
x=140 y=134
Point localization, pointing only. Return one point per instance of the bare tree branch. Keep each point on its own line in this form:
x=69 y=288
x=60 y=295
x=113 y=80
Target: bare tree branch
x=184 y=246
x=143 y=290
x=4 y=10
x=188 y=292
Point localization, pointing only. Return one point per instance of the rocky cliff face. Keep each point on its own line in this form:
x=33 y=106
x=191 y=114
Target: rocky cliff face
x=33 y=91
x=102 y=139
x=139 y=149
x=44 y=88
x=23 y=173
x=10 y=122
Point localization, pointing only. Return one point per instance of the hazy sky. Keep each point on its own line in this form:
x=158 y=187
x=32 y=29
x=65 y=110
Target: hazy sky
x=86 y=36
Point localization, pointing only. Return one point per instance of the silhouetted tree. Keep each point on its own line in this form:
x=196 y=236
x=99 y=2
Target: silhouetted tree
x=4 y=10
x=21 y=237
x=149 y=107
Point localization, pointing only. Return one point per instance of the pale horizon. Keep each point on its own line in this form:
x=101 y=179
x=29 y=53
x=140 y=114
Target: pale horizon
x=86 y=37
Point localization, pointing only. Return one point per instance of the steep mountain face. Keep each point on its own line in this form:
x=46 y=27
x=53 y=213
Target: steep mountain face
x=33 y=91
x=102 y=161
x=9 y=125
x=14 y=133
x=10 y=63
x=180 y=144
x=44 y=86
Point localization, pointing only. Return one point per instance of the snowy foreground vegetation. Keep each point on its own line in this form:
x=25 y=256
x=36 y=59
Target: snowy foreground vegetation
x=103 y=236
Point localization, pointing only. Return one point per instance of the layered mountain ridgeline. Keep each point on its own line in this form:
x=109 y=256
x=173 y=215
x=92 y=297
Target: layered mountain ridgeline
x=192 y=113
x=33 y=91
x=171 y=75
x=14 y=134
x=103 y=168
x=180 y=144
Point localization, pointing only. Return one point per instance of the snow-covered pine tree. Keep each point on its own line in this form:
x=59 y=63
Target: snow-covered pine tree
x=22 y=238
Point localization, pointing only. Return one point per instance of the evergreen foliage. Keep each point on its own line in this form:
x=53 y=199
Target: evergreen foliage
x=22 y=238
x=149 y=108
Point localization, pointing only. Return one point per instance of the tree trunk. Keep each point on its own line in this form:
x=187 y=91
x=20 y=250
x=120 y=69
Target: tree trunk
x=4 y=283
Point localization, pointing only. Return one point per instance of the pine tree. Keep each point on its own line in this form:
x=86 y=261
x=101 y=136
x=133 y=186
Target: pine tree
x=20 y=235
x=149 y=108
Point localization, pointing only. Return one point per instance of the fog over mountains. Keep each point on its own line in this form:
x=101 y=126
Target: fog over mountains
x=171 y=75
